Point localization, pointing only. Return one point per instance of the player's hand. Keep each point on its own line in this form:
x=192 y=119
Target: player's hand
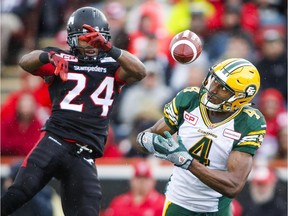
x=95 y=39
x=60 y=64
x=148 y=141
x=173 y=151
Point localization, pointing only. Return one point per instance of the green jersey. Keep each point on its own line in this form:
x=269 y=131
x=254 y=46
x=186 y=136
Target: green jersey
x=210 y=144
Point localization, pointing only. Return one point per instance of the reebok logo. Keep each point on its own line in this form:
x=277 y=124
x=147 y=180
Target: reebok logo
x=182 y=159
x=68 y=57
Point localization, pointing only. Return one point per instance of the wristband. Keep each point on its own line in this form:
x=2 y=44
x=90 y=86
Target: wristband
x=44 y=58
x=115 y=53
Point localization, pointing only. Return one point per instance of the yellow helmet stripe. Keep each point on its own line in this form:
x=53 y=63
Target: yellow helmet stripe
x=235 y=65
x=232 y=66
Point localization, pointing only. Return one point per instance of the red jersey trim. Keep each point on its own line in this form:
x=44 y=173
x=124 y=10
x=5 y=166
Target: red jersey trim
x=45 y=70
x=120 y=83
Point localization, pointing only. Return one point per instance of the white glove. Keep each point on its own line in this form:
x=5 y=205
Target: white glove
x=175 y=152
x=147 y=141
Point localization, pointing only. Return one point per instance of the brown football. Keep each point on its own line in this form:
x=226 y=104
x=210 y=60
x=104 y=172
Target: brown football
x=185 y=47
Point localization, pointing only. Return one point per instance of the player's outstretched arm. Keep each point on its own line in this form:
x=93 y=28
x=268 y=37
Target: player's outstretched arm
x=131 y=70
x=230 y=182
x=148 y=138
x=31 y=62
x=173 y=151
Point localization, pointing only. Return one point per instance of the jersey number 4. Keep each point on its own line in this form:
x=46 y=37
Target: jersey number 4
x=106 y=85
x=200 y=151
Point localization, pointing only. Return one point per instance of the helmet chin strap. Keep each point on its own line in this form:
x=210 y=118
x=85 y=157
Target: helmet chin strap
x=211 y=106
x=225 y=106
x=207 y=103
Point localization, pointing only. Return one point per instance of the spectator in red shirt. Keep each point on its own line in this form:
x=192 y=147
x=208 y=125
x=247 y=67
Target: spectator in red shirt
x=265 y=197
x=272 y=104
x=142 y=199
x=19 y=132
x=32 y=85
x=282 y=139
x=248 y=14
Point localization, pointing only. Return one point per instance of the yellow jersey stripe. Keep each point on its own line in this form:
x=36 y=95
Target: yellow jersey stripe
x=167 y=116
x=257 y=132
x=249 y=143
x=174 y=106
x=166 y=205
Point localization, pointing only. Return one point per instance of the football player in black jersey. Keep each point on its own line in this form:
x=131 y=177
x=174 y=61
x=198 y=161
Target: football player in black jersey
x=83 y=84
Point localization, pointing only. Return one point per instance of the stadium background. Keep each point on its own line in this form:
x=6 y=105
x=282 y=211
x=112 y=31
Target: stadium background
x=41 y=23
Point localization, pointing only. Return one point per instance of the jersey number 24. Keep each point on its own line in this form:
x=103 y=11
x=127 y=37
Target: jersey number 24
x=107 y=84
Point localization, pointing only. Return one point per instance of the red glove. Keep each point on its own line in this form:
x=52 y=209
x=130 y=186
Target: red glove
x=60 y=64
x=95 y=39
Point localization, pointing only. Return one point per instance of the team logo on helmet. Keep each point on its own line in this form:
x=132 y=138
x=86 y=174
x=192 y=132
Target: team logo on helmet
x=251 y=90
x=71 y=20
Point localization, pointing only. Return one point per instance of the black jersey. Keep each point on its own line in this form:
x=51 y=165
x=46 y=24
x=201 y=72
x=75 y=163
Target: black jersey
x=82 y=105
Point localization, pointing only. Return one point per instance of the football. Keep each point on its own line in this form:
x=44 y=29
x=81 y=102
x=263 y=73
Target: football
x=185 y=47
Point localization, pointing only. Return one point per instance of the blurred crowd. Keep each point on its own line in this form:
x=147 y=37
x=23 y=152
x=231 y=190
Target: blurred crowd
x=255 y=30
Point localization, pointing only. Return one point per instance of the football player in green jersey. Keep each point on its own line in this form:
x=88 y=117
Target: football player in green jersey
x=218 y=132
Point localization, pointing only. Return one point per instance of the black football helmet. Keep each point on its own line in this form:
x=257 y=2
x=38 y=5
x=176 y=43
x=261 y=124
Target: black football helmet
x=90 y=16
